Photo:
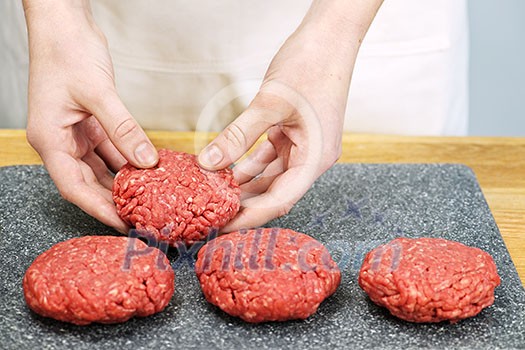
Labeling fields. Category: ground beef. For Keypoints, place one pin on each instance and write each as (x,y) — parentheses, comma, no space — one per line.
(429,279)
(176,201)
(267,274)
(89,279)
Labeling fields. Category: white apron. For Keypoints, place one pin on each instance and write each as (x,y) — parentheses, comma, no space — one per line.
(176,58)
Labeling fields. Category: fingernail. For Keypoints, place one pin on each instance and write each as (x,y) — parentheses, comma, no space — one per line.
(211,156)
(146,155)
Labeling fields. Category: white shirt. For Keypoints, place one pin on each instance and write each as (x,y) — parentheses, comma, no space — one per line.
(177,58)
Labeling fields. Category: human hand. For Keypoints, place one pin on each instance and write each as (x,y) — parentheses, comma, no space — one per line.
(76,121)
(301,106)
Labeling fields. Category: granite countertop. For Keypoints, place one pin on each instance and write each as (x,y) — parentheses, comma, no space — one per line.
(351,209)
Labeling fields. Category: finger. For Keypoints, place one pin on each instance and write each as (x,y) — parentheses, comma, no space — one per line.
(91,181)
(282,194)
(255,163)
(111,156)
(123,131)
(99,170)
(102,145)
(241,134)
(70,180)
(261,183)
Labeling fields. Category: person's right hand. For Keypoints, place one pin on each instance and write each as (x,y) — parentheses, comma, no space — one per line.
(76,120)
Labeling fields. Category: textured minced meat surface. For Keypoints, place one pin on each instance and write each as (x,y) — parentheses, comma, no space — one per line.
(176,201)
(429,279)
(85,280)
(267,274)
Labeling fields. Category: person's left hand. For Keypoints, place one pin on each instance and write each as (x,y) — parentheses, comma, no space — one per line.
(301,106)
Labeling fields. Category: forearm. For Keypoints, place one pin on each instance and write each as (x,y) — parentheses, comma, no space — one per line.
(340,24)
(50,6)
(56,18)
(58,29)
(325,45)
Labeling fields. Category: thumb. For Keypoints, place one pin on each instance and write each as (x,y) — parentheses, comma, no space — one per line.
(235,140)
(124,131)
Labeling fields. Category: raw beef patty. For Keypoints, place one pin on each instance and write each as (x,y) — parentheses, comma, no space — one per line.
(267,274)
(101,279)
(429,279)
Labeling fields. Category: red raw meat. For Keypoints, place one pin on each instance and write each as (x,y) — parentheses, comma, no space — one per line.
(85,280)
(429,279)
(176,201)
(267,274)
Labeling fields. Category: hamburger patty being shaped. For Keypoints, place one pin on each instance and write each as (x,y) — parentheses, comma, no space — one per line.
(176,201)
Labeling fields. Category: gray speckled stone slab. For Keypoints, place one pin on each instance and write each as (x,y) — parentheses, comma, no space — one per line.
(351,209)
